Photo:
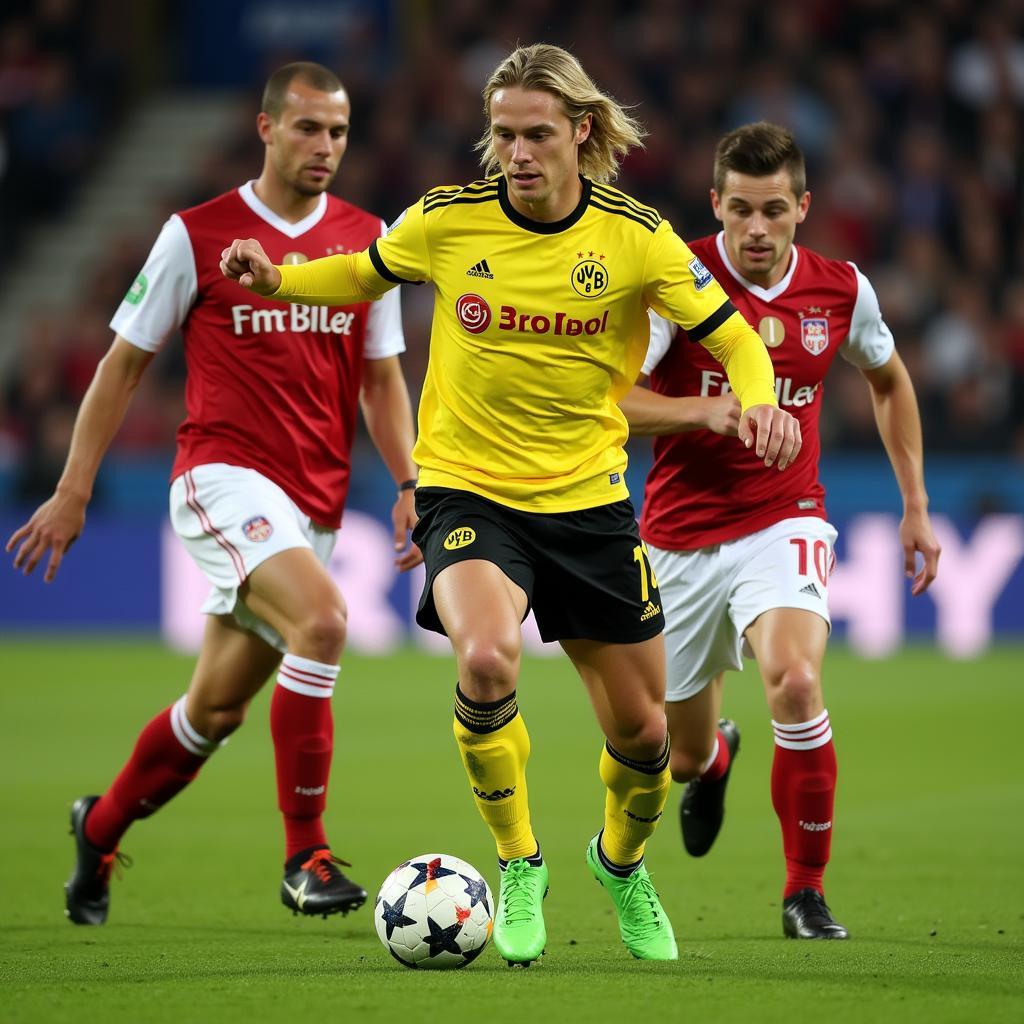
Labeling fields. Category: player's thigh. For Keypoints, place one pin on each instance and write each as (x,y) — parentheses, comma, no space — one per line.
(461,590)
(626,686)
(692,726)
(478,578)
(779,600)
(232,666)
(701,640)
(292,590)
(244,555)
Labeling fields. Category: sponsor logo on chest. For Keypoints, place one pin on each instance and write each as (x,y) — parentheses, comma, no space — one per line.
(714,382)
(294,318)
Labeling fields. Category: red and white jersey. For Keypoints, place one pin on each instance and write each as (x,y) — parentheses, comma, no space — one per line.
(271,386)
(704,488)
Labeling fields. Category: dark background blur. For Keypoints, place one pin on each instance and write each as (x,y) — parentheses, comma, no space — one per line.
(909,115)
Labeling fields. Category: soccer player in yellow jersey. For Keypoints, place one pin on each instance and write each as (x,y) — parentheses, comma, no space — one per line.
(542,277)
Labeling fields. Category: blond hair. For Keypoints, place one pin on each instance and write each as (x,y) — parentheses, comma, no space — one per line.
(613,132)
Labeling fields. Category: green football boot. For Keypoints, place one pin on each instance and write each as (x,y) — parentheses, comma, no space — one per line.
(519,934)
(643,924)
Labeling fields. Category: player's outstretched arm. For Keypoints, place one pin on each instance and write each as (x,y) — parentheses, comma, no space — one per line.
(245,261)
(384,398)
(650,414)
(58,522)
(899,425)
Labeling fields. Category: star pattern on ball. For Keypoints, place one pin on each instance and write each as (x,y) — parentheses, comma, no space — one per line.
(476,890)
(428,871)
(393,915)
(442,940)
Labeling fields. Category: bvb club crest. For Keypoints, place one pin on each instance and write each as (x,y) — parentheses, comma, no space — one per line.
(589,278)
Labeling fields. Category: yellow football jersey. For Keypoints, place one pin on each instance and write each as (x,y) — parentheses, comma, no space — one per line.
(538,330)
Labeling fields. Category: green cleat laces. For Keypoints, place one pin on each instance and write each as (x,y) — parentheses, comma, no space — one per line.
(519,933)
(643,924)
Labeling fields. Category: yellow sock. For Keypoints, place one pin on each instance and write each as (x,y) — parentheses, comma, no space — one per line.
(637,791)
(495,747)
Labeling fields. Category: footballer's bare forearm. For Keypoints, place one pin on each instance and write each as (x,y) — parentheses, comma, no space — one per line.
(387,410)
(899,426)
(650,414)
(101,414)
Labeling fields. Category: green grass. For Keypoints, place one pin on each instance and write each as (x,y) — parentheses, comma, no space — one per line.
(927,872)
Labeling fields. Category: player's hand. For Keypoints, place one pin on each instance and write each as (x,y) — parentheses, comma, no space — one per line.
(723,414)
(245,261)
(53,528)
(916,536)
(404,518)
(773,433)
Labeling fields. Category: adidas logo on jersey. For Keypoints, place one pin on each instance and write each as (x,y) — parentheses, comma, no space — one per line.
(810,589)
(650,611)
(480,270)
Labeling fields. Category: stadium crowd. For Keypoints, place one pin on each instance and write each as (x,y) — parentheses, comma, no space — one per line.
(910,114)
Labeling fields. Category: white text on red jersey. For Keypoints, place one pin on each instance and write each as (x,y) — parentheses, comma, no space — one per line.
(714,382)
(294,318)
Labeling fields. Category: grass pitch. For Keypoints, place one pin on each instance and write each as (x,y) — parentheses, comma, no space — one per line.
(927,870)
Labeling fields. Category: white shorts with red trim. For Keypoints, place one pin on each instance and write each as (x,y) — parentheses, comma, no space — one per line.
(231,520)
(711,595)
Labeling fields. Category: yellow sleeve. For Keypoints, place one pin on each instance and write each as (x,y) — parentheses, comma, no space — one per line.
(739,348)
(399,257)
(332,281)
(681,289)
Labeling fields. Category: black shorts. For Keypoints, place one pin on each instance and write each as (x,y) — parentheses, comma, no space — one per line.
(585,574)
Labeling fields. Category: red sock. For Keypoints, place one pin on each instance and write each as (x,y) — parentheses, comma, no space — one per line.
(303,730)
(167,757)
(718,765)
(803,794)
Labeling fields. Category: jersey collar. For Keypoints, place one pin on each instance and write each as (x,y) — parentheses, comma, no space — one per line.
(765,294)
(264,212)
(540,227)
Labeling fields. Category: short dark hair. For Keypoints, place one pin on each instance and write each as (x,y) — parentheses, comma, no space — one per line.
(314,75)
(760,149)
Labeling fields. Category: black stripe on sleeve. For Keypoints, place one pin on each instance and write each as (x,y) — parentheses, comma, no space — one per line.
(643,222)
(381,268)
(713,322)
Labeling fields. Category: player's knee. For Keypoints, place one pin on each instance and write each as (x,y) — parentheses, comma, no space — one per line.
(321,634)
(642,738)
(488,669)
(219,723)
(797,690)
(687,763)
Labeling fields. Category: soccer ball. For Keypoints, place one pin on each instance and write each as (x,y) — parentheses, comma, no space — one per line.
(434,912)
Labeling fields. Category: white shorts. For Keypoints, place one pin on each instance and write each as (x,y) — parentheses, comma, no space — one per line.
(711,595)
(231,520)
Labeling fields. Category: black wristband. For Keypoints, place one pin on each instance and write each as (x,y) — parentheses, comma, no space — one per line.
(407,485)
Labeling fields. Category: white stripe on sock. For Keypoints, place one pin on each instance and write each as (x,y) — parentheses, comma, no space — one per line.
(186,735)
(310,678)
(803,735)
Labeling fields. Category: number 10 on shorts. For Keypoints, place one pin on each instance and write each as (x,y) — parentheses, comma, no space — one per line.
(819,553)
